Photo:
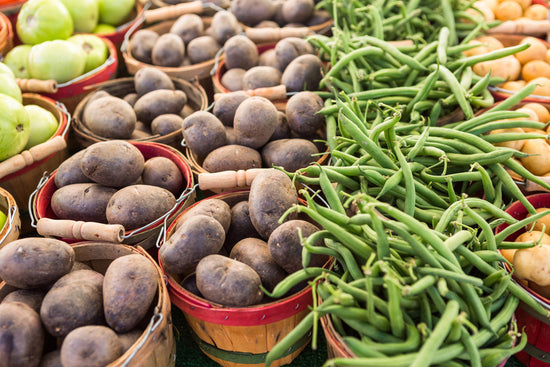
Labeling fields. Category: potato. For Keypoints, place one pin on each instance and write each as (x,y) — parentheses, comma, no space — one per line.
(230,135)
(114,163)
(224,26)
(286,249)
(74,300)
(267,24)
(269,58)
(86,202)
(168,51)
(110,117)
(149,78)
(189,283)
(291,154)
(228,282)
(255,121)
(282,130)
(21,335)
(241,226)
(252,12)
(137,205)
(203,132)
(232,79)
(195,238)
(212,207)
(255,253)
(290,48)
(128,339)
(303,73)
(232,157)
(225,106)
(163,172)
(261,77)
(203,48)
(319,17)
(34,262)
(188,27)
(297,11)
(240,52)
(90,346)
(530,264)
(129,287)
(69,171)
(141,45)
(51,359)
(159,102)
(131,98)
(302,113)
(80,266)
(166,124)
(271,194)
(30,297)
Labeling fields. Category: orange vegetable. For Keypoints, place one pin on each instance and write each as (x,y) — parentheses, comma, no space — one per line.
(514,144)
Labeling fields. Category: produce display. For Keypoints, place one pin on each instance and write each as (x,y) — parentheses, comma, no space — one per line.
(385,178)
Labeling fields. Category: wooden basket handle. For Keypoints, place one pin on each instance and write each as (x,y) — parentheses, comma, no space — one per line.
(34,154)
(228,179)
(275,93)
(79,230)
(37,85)
(172,11)
(272,35)
(522,26)
(530,186)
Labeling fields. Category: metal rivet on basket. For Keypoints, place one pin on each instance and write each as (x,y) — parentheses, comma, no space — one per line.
(226,317)
(297,305)
(263,317)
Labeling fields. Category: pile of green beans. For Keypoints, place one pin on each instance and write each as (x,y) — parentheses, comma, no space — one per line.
(405,294)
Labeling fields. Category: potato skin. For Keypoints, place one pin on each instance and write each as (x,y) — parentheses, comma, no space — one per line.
(261,77)
(195,238)
(302,113)
(188,27)
(255,253)
(241,226)
(128,339)
(149,78)
(110,117)
(90,346)
(291,154)
(104,161)
(69,171)
(34,262)
(224,26)
(163,172)
(297,11)
(255,121)
(159,102)
(30,297)
(228,282)
(129,287)
(203,132)
(282,130)
(240,52)
(271,194)
(232,157)
(141,45)
(74,300)
(252,12)
(82,201)
(51,359)
(166,124)
(202,49)
(290,48)
(212,207)
(303,73)
(137,205)
(232,79)
(226,105)
(169,50)
(21,335)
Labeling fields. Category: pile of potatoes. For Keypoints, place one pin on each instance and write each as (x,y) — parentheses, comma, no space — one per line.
(153,107)
(111,182)
(189,40)
(244,132)
(278,13)
(504,10)
(60,311)
(538,160)
(292,62)
(224,253)
(530,66)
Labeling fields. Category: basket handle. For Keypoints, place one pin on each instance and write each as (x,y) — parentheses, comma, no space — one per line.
(79,230)
(34,154)
(172,11)
(522,26)
(531,186)
(37,85)
(275,93)
(272,35)
(228,179)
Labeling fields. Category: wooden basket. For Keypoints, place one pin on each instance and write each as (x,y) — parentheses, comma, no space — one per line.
(156,346)
(525,26)
(240,336)
(20,174)
(196,100)
(6,35)
(537,327)
(11,229)
(47,224)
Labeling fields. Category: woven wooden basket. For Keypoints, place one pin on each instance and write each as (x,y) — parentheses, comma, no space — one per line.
(196,100)
(6,35)
(156,346)
(12,228)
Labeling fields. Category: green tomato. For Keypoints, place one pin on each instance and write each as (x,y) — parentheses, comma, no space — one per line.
(114,12)
(85,14)
(3,219)
(18,61)
(43,125)
(45,61)
(14,127)
(104,29)
(94,47)
(5,69)
(9,87)
(43,20)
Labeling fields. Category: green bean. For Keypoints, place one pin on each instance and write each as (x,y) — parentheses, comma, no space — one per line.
(486,117)
(369,51)
(517,225)
(396,315)
(360,349)
(471,348)
(412,342)
(503,137)
(491,55)
(458,90)
(450,275)
(514,99)
(291,280)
